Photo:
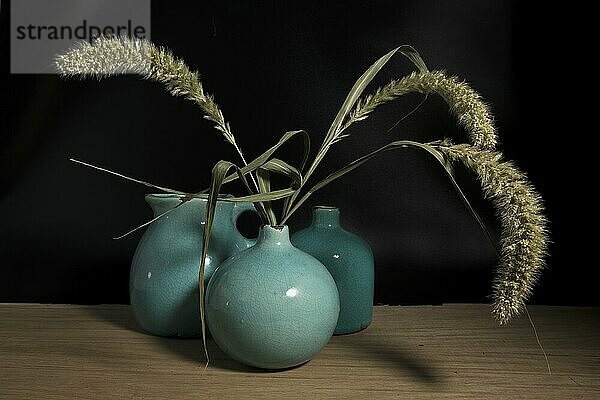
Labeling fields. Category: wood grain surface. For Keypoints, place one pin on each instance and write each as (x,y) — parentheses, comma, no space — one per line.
(425,352)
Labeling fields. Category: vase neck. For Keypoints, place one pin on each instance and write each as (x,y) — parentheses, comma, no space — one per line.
(274,236)
(163,202)
(326,217)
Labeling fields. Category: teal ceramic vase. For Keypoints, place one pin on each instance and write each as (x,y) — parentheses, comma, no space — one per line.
(272,306)
(349,259)
(163,284)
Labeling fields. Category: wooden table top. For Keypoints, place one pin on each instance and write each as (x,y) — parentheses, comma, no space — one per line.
(423,352)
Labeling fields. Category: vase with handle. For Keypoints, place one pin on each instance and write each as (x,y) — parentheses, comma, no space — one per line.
(163,285)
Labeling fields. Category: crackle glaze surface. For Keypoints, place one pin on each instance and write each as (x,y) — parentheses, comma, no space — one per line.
(349,259)
(272,306)
(163,284)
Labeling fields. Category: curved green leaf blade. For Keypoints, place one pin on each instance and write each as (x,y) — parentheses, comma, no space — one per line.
(219,172)
(414,56)
(283,168)
(262,197)
(354,94)
(259,206)
(264,157)
(264,186)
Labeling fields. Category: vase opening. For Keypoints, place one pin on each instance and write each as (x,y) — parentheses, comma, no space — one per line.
(332,208)
(169,196)
(326,216)
(278,235)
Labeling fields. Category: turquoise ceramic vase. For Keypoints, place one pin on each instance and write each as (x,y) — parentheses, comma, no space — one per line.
(272,306)
(163,285)
(349,259)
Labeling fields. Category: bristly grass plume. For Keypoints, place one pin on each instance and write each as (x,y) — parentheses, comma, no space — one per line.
(108,56)
(464,102)
(524,236)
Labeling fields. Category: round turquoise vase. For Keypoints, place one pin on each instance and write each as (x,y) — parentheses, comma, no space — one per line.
(349,259)
(163,284)
(272,306)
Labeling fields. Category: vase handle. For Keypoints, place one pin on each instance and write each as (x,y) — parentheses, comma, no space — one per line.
(239,209)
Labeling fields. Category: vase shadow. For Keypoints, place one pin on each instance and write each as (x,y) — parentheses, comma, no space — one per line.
(190,349)
(369,347)
(187,349)
(118,315)
(360,344)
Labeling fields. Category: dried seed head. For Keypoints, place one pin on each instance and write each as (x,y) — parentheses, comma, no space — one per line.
(465,103)
(524,236)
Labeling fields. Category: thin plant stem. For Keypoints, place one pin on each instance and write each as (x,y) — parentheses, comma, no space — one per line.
(163,189)
(245,164)
(109,56)
(151,221)
(537,338)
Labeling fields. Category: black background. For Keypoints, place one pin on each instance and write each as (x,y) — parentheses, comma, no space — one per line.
(278,66)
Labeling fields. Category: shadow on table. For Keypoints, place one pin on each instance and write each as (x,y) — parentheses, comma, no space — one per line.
(391,355)
(362,344)
(188,349)
(119,316)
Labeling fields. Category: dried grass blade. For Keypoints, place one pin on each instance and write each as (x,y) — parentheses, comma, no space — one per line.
(264,184)
(219,172)
(354,94)
(183,201)
(413,55)
(392,146)
(262,197)
(283,168)
(264,157)
(161,188)
(259,206)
